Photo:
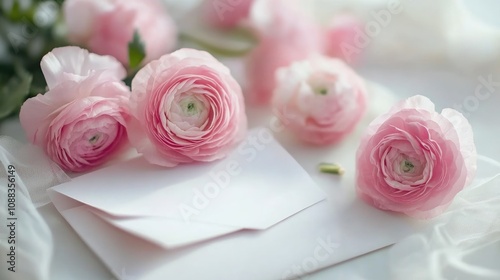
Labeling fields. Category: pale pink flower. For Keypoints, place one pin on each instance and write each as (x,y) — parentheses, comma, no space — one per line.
(285,35)
(261,67)
(107,26)
(320,100)
(80,122)
(186,107)
(414,160)
(225,13)
(340,39)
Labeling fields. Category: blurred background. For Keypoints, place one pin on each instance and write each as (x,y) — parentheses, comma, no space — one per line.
(448,50)
(445,50)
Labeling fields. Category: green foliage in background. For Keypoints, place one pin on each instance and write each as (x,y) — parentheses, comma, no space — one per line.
(28,30)
(31,28)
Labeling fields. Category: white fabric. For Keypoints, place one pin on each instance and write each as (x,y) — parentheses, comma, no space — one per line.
(450,247)
(34,173)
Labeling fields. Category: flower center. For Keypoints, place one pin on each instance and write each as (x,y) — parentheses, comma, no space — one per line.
(191,107)
(94,139)
(321,91)
(407,166)
(188,111)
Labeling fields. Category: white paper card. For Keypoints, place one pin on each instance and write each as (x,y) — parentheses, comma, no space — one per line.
(180,206)
(135,245)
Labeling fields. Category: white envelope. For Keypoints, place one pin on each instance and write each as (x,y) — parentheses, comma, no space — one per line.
(191,203)
(130,216)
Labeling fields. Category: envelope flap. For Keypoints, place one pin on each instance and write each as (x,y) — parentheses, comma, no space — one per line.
(168,233)
(257,186)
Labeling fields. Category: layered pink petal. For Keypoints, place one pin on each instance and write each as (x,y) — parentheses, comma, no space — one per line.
(80,121)
(85,134)
(186,107)
(320,100)
(414,160)
(74,63)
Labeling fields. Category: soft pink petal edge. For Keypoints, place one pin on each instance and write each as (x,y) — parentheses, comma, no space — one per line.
(414,102)
(138,138)
(146,79)
(77,61)
(466,138)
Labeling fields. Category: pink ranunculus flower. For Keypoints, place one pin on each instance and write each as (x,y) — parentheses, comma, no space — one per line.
(340,39)
(107,26)
(320,100)
(285,35)
(80,122)
(226,13)
(186,107)
(414,160)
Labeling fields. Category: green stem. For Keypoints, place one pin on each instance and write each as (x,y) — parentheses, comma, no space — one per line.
(331,168)
(213,48)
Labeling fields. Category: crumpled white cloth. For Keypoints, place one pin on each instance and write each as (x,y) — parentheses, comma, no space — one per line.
(34,174)
(456,246)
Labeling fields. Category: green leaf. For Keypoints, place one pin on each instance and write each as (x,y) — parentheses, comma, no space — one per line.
(136,51)
(13,91)
(18,14)
(233,43)
(15,13)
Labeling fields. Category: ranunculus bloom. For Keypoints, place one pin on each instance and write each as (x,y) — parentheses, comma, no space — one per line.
(107,26)
(320,100)
(80,122)
(341,38)
(286,35)
(226,13)
(414,160)
(186,107)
